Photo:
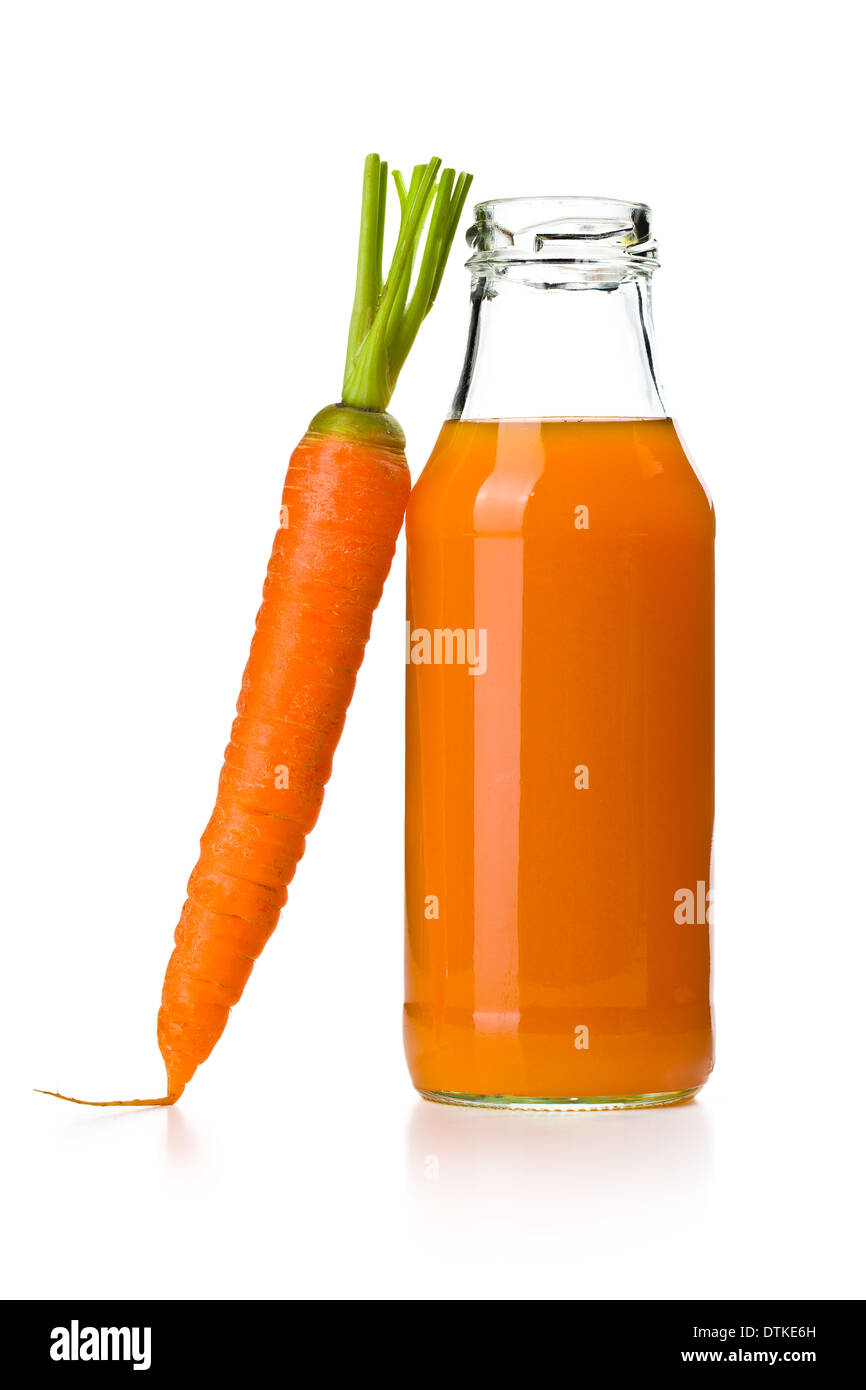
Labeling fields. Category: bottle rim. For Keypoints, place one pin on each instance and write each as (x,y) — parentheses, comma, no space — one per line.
(566,230)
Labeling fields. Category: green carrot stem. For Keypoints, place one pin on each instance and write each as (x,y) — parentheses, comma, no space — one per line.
(421,301)
(458,198)
(398,309)
(385,318)
(368,282)
(380,220)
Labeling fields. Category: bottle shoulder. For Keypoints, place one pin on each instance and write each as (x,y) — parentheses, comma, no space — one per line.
(519,477)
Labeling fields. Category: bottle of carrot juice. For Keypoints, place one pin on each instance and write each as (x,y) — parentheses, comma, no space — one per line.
(559,777)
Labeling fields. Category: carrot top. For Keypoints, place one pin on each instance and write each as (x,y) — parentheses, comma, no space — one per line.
(386,315)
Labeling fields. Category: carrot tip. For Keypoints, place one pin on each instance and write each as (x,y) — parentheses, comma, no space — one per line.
(74,1100)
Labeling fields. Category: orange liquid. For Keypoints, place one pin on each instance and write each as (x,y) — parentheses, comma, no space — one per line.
(560,764)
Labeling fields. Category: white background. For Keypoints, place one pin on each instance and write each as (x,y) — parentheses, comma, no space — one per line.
(181,187)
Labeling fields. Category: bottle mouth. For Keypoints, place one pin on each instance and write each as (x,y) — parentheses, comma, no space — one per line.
(590,235)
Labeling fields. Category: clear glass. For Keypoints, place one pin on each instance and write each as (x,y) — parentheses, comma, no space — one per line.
(559,775)
(585,350)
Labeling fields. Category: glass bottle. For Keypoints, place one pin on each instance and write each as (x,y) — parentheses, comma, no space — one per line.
(559,775)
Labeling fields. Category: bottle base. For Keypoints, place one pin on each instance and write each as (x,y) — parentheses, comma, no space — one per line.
(505,1102)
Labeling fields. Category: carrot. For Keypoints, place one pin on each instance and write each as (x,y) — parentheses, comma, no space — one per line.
(342,508)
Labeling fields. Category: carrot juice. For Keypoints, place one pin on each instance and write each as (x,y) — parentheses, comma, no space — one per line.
(559,690)
(559,807)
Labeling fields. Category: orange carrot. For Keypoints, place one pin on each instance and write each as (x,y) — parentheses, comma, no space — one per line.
(342,508)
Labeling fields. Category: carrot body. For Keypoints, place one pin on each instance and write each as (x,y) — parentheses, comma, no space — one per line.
(343,502)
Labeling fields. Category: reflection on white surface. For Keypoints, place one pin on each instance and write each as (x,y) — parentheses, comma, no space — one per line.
(181,1147)
(395,1197)
(611,1159)
(585,1205)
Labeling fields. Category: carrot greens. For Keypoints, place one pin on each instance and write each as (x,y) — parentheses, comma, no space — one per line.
(386,316)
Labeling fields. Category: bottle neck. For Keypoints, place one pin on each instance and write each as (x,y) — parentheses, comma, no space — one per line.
(569,350)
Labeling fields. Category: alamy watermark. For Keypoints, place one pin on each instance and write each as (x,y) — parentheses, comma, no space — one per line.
(447,646)
(694,908)
(76,1343)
